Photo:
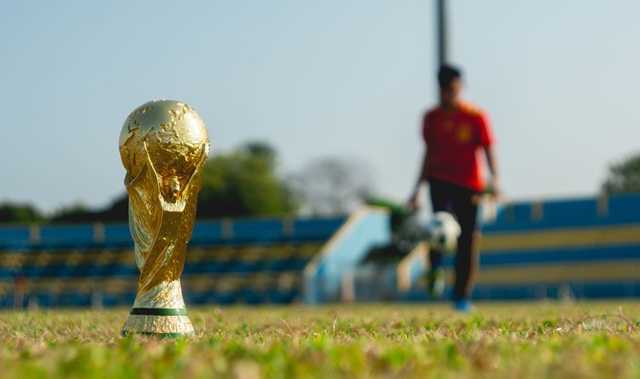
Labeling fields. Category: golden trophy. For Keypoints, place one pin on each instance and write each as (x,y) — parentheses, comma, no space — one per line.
(163,146)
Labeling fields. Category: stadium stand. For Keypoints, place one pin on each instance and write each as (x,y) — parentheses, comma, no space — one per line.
(241,261)
(575,248)
(582,248)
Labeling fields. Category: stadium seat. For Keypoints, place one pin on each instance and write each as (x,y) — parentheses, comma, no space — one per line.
(251,263)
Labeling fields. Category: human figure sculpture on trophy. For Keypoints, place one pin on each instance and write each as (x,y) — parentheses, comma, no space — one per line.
(163,146)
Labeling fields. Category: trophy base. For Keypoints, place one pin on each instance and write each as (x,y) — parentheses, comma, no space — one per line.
(159,312)
(159,322)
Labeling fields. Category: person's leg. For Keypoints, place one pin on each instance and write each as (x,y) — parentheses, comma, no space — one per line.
(466,261)
(440,201)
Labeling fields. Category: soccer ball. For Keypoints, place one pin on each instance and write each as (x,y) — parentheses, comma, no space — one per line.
(443,232)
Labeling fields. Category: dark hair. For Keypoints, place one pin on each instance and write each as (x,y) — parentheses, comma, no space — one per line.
(447,74)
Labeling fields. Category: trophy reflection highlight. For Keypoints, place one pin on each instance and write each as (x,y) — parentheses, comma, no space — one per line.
(163,146)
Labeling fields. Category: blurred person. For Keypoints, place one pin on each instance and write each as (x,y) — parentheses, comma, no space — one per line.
(19,289)
(455,134)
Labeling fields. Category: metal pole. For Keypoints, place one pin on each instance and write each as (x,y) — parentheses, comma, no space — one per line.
(441,24)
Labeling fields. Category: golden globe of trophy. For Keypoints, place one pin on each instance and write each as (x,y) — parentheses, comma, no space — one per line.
(163,146)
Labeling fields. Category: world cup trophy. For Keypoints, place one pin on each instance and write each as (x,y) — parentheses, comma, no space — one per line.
(163,146)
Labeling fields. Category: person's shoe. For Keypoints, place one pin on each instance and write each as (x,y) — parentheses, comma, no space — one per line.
(435,283)
(463,305)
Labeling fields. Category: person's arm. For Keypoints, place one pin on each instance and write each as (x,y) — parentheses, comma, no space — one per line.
(414,200)
(487,143)
(494,183)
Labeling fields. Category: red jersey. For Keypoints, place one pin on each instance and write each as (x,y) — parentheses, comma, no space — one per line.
(453,140)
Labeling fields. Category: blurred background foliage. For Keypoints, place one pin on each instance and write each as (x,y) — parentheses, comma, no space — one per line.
(624,176)
(244,182)
(247,182)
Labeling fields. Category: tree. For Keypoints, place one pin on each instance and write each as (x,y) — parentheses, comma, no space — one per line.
(261,151)
(623,176)
(118,211)
(19,214)
(74,214)
(332,185)
(244,183)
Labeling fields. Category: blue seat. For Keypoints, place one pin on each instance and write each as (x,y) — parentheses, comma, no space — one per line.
(251,296)
(267,230)
(14,237)
(117,235)
(44,299)
(206,233)
(6,273)
(110,300)
(624,208)
(226,297)
(67,236)
(73,299)
(316,229)
(282,296)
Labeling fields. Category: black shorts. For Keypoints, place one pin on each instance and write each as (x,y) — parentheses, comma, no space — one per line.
(462,202)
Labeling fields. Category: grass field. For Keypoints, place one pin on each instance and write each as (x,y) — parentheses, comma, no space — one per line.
(529,340)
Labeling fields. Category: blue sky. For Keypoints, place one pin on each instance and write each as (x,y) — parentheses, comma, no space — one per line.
(559,79)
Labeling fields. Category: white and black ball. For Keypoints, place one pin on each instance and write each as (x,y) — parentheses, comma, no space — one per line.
(443,232)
